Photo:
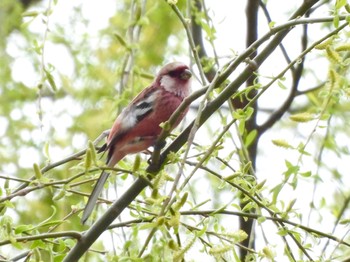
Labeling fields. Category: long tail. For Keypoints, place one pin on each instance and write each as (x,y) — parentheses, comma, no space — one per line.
(94,196)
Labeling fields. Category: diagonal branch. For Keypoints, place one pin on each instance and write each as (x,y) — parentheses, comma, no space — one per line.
(120,204)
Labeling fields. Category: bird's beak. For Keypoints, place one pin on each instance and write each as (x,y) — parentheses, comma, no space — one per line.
(186,74)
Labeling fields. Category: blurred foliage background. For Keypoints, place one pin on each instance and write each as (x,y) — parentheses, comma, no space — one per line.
(68,69)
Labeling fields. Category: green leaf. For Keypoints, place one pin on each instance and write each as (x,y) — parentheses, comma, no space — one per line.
(61,193)
(261,219)
(306,174)
(241,127)
(202,231)
(47,151)
(275,192)
(345,221)
(121,41)
(282,143)
(281,85)
(88,159)
(291,169)
(137,163)
(282,232)
(51,80)
(340,3)
(92,151)
(148,226)
(336,21)
(250,138)
(302,117)
(37,171)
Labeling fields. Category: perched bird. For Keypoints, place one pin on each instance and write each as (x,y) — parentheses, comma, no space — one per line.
(137,126)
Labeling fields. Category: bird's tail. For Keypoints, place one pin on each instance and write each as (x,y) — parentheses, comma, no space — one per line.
(94,196)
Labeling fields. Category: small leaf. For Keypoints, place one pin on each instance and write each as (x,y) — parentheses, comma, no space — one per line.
(343,47)
(239,114)
(233,176)
(30,14)
(247,167)
(51,80)
(47,151)
(148,226)
(324,44)
(282,143)
(336,21)
(275,192)
(302,117)
(59,195)
(37,171)
(121,40)
(333,56)
(282,232)
(291,169)
(340,3)
(88,159)
(23,228)
(345,221)
(241,127)
(202,231)
(260,185)
(250,138)
(268,253)
(281,85)
(347,8)
(261,219)
(306,174)
(182,201)
(137,163)
(93,151)
(290,205)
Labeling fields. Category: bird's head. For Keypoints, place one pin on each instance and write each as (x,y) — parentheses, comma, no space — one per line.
(176,78)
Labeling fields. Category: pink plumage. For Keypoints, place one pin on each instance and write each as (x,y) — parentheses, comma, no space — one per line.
(137,127)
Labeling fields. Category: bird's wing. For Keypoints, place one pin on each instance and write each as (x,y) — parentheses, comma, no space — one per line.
(134,113)
(137,110)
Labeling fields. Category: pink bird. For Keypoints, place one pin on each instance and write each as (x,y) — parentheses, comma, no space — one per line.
(137,127)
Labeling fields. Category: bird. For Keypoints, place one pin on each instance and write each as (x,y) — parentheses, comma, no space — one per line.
(137,127)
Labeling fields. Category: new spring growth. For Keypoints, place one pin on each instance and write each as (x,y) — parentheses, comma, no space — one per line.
(93,151)
(137,163)
(180,203)
(37,171)
(87,159)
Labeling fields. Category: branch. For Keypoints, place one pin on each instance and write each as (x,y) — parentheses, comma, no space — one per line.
(257,216)
(102,224)
(269,20)
(75,156)
(70,234)
(278,113)
(119,205)
(249,154)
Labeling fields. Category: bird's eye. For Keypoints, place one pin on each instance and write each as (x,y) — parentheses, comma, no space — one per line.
(173,73)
